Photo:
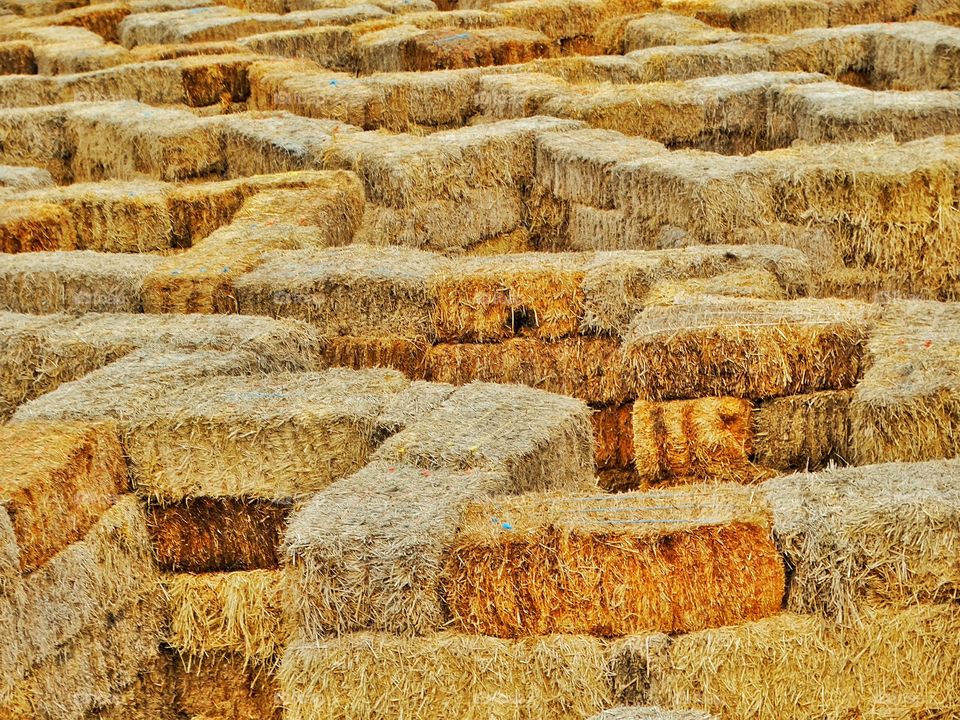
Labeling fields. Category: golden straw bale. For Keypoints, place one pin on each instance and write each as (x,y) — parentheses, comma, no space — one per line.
(497,297)
(57,480)
(199,24)
(238,613)
(82,584)
(703,440)
(447,48)
(887,534)
(248,436)
(148,697)
(838,52)
(205,535)
(354,290)
(907,407)
(91,671)
(385,50)
(70,58)
(748,348)
(532,565)
(225,688)
(803,432)
(854,12)
(587,368)
(367,552)
(664,28)
(590,228)
(617,284)
(916,56)
(24,178)
(755,16)
(101,18)
(680,62)
(32,225)
(515,242)
(328,46)
(893,664)
(754,283)
(17,58)
(386,351)
(613,433)
(516,94)
(533,436)
(374,675)
(407,406)
(215,80)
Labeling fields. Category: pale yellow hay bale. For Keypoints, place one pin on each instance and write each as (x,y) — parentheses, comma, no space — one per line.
(837,52)
(917,56)
(757,16)
(330,47)
(683,62)
(516,95)
(755,283)
(24,178)
(664,28)
(37,137)
(66,58)
(651,713)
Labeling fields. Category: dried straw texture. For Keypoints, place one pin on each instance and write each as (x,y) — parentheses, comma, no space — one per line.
(448,48)
(149,697)
(73,282)
(354,290)
(328,46)
(907,407)
(671,64)
(93,669)
(651,713)
(887,534)
(663,28)
(236,613)
(534,437)
(367,552)
(613,565)
(24,178)
(17,58)
(205,535)
(916,56)
(81,585)
(803,432)
(756,283)
(406,407)
(56,480)
(29,226)
(754,16)
(378,675)
(895,664)
(703,440)
(128,139)
(387,351)
(494,298)
(273,437)
(613,434)
(37,137)
(748,348)
(225,689)
(591,369)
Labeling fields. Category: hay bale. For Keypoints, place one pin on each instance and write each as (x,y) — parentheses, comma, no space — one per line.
(17,58)
(91,671)
(907,407)
(854,12)
(754,16)
(236,613)
(760,284)
(371,675)
(330,47)
(672,63)
(448,48)
(387,351)
(70,58)
(587,368)
(199,24)
(540,560)
(916,56)
(171,445)
(748,348)
(24,178)
(883,533)
(517,241)
(73,282)
(613,433)
(536,438)
(832,112)
(225,687)
(838,52)
(803,432)
(590,229)
(480,299)
(86,581)
(385,50)
(406,407)
(368,551)
(617,284)
(354,290)
(664,28)
(516,94)
(892,665)
(33,225)
(202,279)
(208,535)
(569,20)
(100,18)
(703,440)
(149,697)
(57,480)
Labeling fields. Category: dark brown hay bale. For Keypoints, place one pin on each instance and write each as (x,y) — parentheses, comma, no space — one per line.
(613,433)
(225,688)
(202,535)
(803,432)
(675,561)
(16,58)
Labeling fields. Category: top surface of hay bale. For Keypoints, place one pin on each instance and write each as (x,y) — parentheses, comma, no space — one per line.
(538,438)
(884,533)
(24,178)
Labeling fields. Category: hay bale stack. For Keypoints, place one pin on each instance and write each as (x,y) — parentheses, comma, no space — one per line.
(367,552)
(126,139)
(371,675)
(916,56)
(886,534)
(208,535)
(37,137)
(672,63)
(587,368)
(907,407)
(754,16)
(224,687)
(110,567)
(703,440)
(233,613)
(330,47)
(74,282)
(613,431)
(534,437)
(664,28)
(803,432)
(893,664)
(831,112)
(34,225)
(354,290)
(201,280)
(172,444)
(58,479)
(534,569)
(24,178)
(748,348)
(502,96)
(479,299)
